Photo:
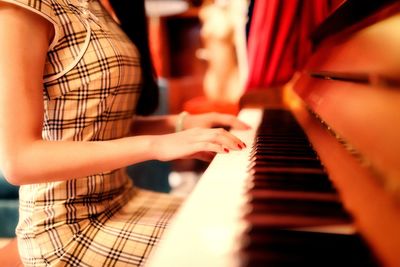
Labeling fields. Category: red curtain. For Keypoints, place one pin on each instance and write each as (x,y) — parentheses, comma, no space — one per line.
(278,43)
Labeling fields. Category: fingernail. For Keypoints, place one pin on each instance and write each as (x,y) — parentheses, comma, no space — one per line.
(244,145)
(239,146)
(226,150)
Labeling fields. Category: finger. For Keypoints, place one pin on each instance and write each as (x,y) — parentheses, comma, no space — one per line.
(223,137)
(231,121)
(208,146)
(204,156)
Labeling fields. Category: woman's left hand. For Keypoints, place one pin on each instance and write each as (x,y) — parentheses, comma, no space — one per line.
(214,120)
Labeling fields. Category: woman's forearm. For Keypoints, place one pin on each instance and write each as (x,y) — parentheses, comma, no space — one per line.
(154,125)
(46,161)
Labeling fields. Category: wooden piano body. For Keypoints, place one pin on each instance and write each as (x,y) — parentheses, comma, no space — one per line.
(347,100)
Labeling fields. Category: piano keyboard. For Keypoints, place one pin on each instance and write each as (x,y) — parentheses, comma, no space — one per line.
(288,191)
(276,209)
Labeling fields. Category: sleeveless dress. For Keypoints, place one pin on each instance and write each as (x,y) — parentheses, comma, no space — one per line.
(91,85)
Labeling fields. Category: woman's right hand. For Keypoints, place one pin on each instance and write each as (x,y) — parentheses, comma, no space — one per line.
(197,143)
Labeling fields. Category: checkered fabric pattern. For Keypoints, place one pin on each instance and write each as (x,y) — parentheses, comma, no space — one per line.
(99,220)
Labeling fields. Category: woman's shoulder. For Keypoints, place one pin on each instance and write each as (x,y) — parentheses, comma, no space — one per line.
(60,13)
(41,7)
(44,8)
(49,9)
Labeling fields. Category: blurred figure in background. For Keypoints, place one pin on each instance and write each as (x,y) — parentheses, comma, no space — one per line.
(221,78)
(223,36)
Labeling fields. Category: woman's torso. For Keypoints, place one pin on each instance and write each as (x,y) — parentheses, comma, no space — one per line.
(94,101)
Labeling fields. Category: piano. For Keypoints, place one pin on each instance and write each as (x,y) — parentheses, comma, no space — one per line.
(319,182)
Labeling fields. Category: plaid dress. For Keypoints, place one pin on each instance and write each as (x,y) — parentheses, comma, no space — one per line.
(91,84)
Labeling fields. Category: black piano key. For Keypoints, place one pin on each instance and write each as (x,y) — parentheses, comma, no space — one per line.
(276,140)
(280,139)
(276,162)
(315,164)
(283,247)
(283,134)
(281,157)
(295,170)
(289,140)
(291,182)
(290,221)
(266,148)
(290,175)
(287,147)
(302,207)
(278,152)
(280,147)
(288,188)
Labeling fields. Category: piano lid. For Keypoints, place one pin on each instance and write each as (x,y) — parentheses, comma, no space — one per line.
(349,13)
(352,84)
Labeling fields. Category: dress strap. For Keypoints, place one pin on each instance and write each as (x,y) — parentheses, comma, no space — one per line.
(85,15)
(77,59)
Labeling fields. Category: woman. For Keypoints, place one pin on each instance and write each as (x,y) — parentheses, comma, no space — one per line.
(70,84)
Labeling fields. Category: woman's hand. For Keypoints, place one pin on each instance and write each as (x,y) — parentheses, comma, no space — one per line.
(212,120)
(196,143)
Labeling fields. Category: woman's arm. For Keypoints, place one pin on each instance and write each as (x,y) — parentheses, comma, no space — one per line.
(167,123)
(25,157)
(162,124)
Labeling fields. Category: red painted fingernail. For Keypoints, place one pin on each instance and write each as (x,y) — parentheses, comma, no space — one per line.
(226,150)
(239,146)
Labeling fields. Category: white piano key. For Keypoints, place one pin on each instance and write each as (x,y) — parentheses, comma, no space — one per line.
(205,229)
